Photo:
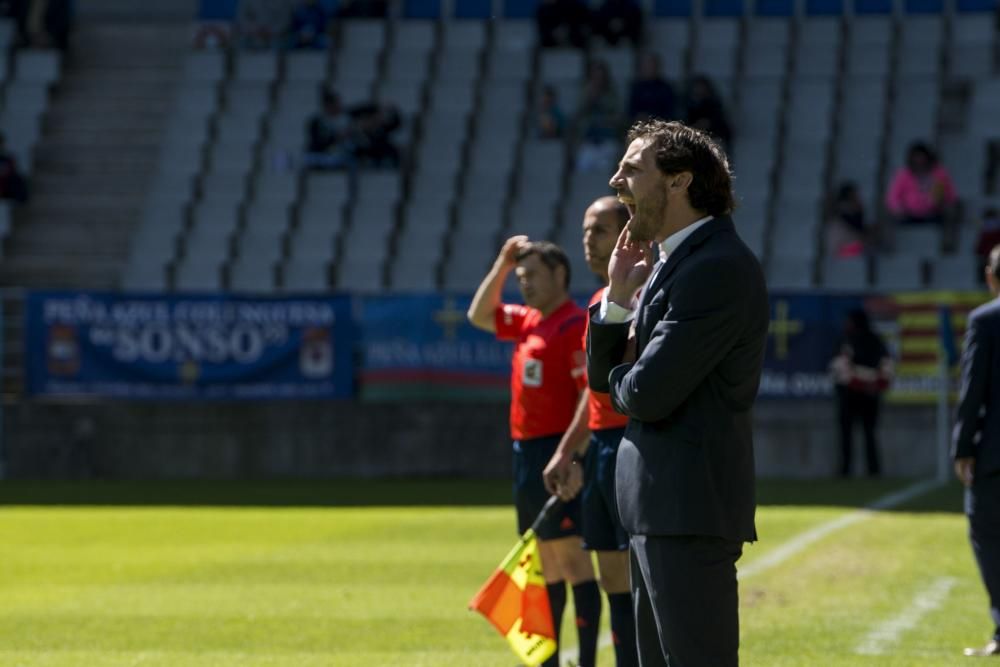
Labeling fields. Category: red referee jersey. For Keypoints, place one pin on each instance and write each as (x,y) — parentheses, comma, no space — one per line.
(600,413)
(548,370)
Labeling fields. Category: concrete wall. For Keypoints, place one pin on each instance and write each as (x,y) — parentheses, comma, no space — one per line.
(330,439)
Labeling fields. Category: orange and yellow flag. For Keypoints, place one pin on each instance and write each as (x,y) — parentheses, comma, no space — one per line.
(515,601)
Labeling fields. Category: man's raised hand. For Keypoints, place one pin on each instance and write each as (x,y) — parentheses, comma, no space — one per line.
(511,248)
(630,266)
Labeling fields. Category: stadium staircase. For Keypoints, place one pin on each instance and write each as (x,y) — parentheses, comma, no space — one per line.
(97,150)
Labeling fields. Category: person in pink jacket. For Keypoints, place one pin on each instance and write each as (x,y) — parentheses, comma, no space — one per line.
(922,191)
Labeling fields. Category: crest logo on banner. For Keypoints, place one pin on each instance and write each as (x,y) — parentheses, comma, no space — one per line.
(63,351)
(316,355)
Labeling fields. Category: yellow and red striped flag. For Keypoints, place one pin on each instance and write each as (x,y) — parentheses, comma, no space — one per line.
(516,602)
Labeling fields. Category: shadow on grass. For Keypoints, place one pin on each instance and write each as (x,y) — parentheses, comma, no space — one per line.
(417,493)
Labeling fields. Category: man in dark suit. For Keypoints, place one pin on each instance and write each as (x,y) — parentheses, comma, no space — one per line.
(686,375)
(976,443)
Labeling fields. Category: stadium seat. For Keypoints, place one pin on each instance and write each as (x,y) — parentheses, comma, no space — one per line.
(41,66)
(846,274)
(8,32)
(671,39)
(817,49)
(786,273)
(785,8)
(421,9)
(256,67)
(923,6)
(716,8)
(824,7)
(208,67)
(673,8)
(960,272)
(519,9)
(473,9)
(305,277)
(309,67)
(796,231)
(899,273)
(862,7)
(918,241)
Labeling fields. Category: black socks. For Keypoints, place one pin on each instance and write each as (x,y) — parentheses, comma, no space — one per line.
(623,629)
(587,600)
(557,602)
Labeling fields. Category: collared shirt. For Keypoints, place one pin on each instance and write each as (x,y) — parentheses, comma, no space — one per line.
(548,368)
(612,313)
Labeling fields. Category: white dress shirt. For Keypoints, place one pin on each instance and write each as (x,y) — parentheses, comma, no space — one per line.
(611,312)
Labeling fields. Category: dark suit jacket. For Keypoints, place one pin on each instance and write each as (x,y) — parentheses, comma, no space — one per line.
(685,465)
(977,423)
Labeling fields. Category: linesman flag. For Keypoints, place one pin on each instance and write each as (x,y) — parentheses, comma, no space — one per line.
(515,600)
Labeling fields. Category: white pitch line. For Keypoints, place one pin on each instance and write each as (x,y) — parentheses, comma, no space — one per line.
(887,634)
(798,543)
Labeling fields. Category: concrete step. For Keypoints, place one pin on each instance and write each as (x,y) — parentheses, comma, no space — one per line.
(84,208)
(121,88)
(123,153)
(109,107)
(76,135)
(51,273)
(86,79)
(70,252)
(96,184)
(59,161)
(104,57)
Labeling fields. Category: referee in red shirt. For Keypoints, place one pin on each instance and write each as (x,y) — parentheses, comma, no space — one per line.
(594,436)
(548,376)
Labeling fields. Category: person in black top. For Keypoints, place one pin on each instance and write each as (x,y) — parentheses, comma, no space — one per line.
(705,112)
(651,95)
(862,371)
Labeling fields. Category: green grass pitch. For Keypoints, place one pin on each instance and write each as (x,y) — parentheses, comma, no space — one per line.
(359,574)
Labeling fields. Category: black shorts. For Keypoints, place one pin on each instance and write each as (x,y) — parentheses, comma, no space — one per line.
(602,529)
(530,459)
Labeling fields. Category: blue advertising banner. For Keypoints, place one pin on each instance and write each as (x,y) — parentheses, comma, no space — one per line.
(804,332)
(422,346)
(138,346)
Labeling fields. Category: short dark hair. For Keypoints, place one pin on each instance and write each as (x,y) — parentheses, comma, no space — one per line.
(550,255)
(922,148)
(994,263)
(614,206)
(621,213)
(678,148)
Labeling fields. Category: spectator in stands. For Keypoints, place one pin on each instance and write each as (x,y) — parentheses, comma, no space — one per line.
(862,370)
(551,119)
(42,24)
(13,186)
(373,140)
(330,140)
(563,23)
(598,119)
(618,20)
(309,26)
(364,9)
(704,110)
(260,22)
(846,227)
(921,192)
(651,95)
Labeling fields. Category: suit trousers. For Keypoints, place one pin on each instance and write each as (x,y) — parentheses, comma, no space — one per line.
(686,601)
(982,505)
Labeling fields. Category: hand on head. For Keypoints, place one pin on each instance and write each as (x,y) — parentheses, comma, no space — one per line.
(512,247)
